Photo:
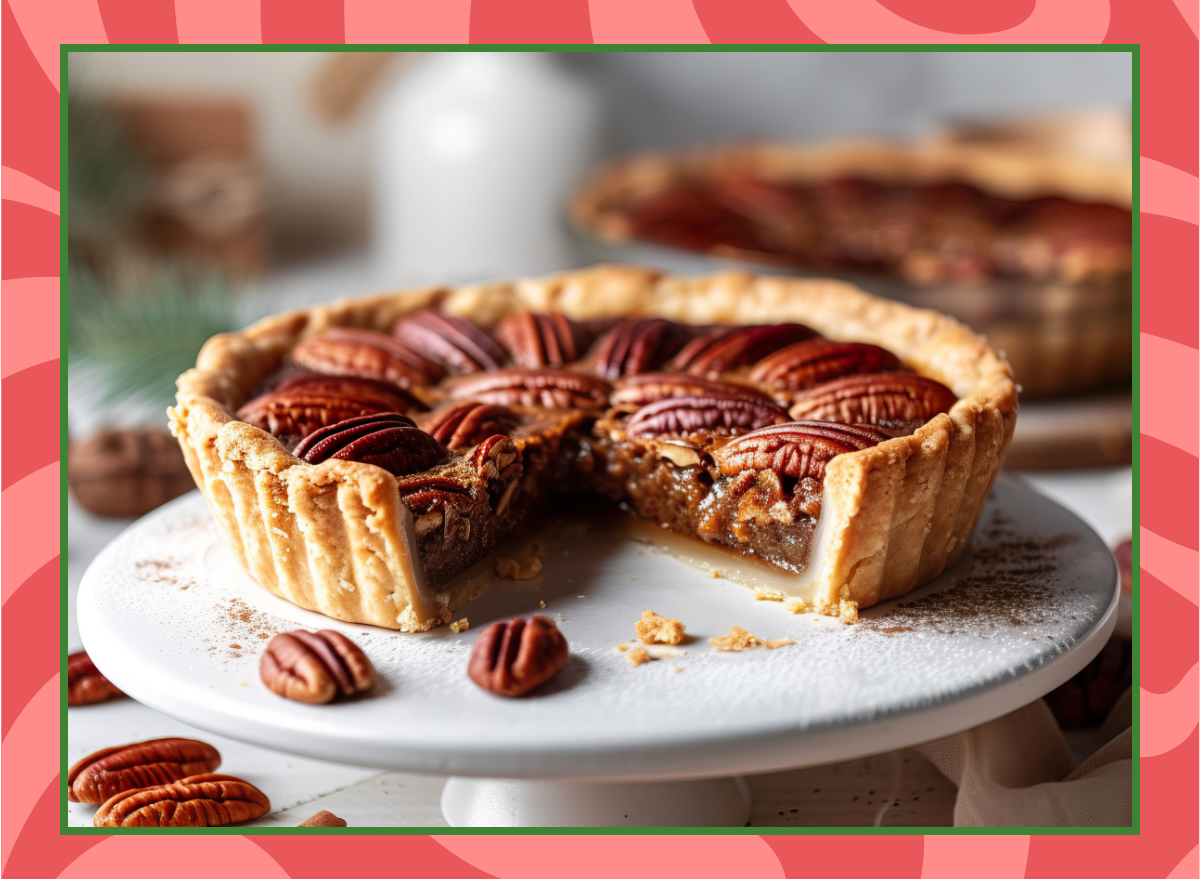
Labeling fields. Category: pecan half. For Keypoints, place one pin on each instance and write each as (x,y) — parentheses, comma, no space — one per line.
(454,343)
(390,441)
(434,501)
(301,405)
(898,402)
(638,390)
(551,388)
(197,801)
(365,354)
(811,362)
(797,449)
(315,666)
(464,424)
(85,684)
(546,339)
(634,346)
(730,347)
(513,658)
(107,773)
(496,458)
(723,416)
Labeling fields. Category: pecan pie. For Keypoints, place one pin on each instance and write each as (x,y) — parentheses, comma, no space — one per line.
(843,442)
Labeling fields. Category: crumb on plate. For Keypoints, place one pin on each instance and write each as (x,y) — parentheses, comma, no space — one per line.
(655,629)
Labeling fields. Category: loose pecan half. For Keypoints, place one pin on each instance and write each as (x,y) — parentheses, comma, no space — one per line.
(551,388)
(649,387)
(107,773)
(365,354)
(85,684)
(730,347)
(453,342)
(512,658)
(315,666)
(634,346)
(464,424)
(546,339)
(301,405)
(723,416)
(898,402)
(813,361)
(797,449)
(390,441)
(197,801)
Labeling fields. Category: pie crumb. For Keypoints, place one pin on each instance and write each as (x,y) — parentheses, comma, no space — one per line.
(678,669)
(622,647)
(653,629)
(738,639)
(714,574)
(778,642)
(541,603)
(460,625)
(638,656)
(762,593)
(511,569)
(795,605)
(848,611)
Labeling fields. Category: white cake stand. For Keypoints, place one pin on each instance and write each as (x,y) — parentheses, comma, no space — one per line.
(172,620)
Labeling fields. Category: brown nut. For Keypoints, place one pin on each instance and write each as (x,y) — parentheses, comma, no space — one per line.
(301,405)
(315,667)
(797,449)
(390,441)
(365,354)
(464,424)
(650,387)
(85,684)
(513,658)
(547,339)
(683,416)
(324,819)
(730,347)
(112,771)
(898,402)
(805,364)
(635,346)
(196,801)
(551,388)
(455,344)
(127,472)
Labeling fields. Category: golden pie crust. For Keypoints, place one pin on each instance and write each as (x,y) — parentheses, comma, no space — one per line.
(336,538)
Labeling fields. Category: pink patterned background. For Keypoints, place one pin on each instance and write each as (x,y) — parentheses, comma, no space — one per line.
(1170,471)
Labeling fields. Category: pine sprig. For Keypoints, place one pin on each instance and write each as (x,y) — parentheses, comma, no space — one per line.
(109,177)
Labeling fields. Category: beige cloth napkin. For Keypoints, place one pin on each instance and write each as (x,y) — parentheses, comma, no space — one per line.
(1016,771)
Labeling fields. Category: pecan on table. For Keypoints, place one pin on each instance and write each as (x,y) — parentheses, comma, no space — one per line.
(512,658)
(550,388)
(197,801)
(898,402)
(389,440)
(635,346)
(366,354)
(464,424)
(454,343)
(725,348)
(721,416)
(805,364)
(112,771)
(649,387)
(85,684)
(315,667)
(797,449)
(301,405)
(546,339)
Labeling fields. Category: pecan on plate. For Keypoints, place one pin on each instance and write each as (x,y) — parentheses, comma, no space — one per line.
(85,684)
(898,402)
(545,339)
(388,440)
(722,416)
(649,387)
(454,343)
(725,348)
(635,346)
(196,801)
(515,657)
(805,364)
(365,354)
(315,666)
(112,771)
(464,424)
(797,449)
(550,388)
(301,405)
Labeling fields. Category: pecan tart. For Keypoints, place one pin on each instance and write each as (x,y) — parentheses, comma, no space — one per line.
(360,456)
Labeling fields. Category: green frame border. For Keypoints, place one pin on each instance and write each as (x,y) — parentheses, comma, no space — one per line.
(1133,49)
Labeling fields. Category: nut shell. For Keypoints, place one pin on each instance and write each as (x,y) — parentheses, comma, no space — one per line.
(315,667)
(515,657)
(205,800)
(106,773)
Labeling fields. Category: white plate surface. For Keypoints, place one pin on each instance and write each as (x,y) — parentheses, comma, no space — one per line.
(169,616)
